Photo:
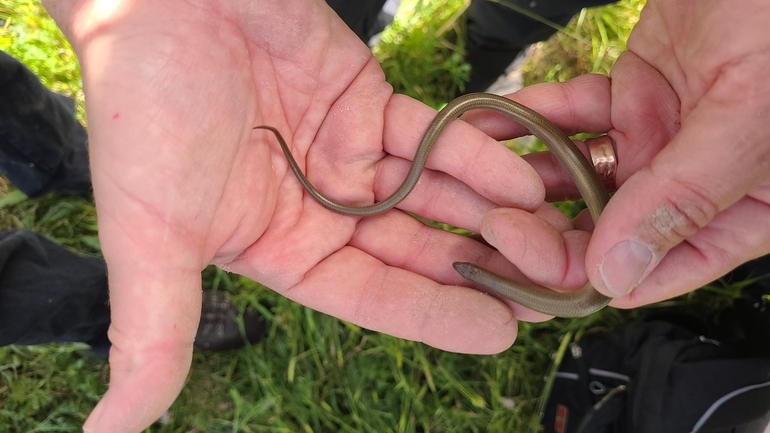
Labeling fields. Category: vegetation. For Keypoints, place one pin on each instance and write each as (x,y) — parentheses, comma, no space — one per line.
(421,52)
(313,373)
(589,44)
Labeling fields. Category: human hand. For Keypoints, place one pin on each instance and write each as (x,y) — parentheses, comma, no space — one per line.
(181,180)
(688,107)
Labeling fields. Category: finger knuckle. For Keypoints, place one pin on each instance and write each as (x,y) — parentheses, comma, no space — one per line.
(686,211)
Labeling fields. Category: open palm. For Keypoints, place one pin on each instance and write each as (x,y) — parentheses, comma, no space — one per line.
(181,180)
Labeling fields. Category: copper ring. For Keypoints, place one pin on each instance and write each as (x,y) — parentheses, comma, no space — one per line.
(604,159)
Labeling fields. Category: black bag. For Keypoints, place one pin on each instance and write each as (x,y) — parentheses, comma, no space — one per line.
(668,376)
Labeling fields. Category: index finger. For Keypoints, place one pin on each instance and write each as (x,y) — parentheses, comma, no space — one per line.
(578,105)
(463,152)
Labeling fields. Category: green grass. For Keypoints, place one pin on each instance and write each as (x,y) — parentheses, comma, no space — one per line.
(29,35)
(314,373)
(591,43)
(421,52)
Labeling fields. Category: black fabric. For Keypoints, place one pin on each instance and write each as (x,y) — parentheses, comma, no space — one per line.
(666,379)
(751,406)
(602,415)
(48,293)
(42,146)
(359,15)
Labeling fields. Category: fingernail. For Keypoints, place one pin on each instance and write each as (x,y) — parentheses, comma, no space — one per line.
(623,266)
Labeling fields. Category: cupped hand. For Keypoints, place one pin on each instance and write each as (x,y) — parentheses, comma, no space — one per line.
(182,180)
(688,107)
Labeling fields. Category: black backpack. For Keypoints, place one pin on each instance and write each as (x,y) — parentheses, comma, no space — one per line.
(668,375)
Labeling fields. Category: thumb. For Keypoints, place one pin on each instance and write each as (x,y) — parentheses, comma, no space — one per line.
(673,210)
(155,305)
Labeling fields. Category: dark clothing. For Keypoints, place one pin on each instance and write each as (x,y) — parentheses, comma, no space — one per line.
(42,146)
(359,15)
(47,293)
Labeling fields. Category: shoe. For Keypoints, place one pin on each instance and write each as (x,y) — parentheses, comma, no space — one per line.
(219,330)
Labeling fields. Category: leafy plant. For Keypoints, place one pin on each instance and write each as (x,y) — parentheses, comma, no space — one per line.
(422,52)
(590,43)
